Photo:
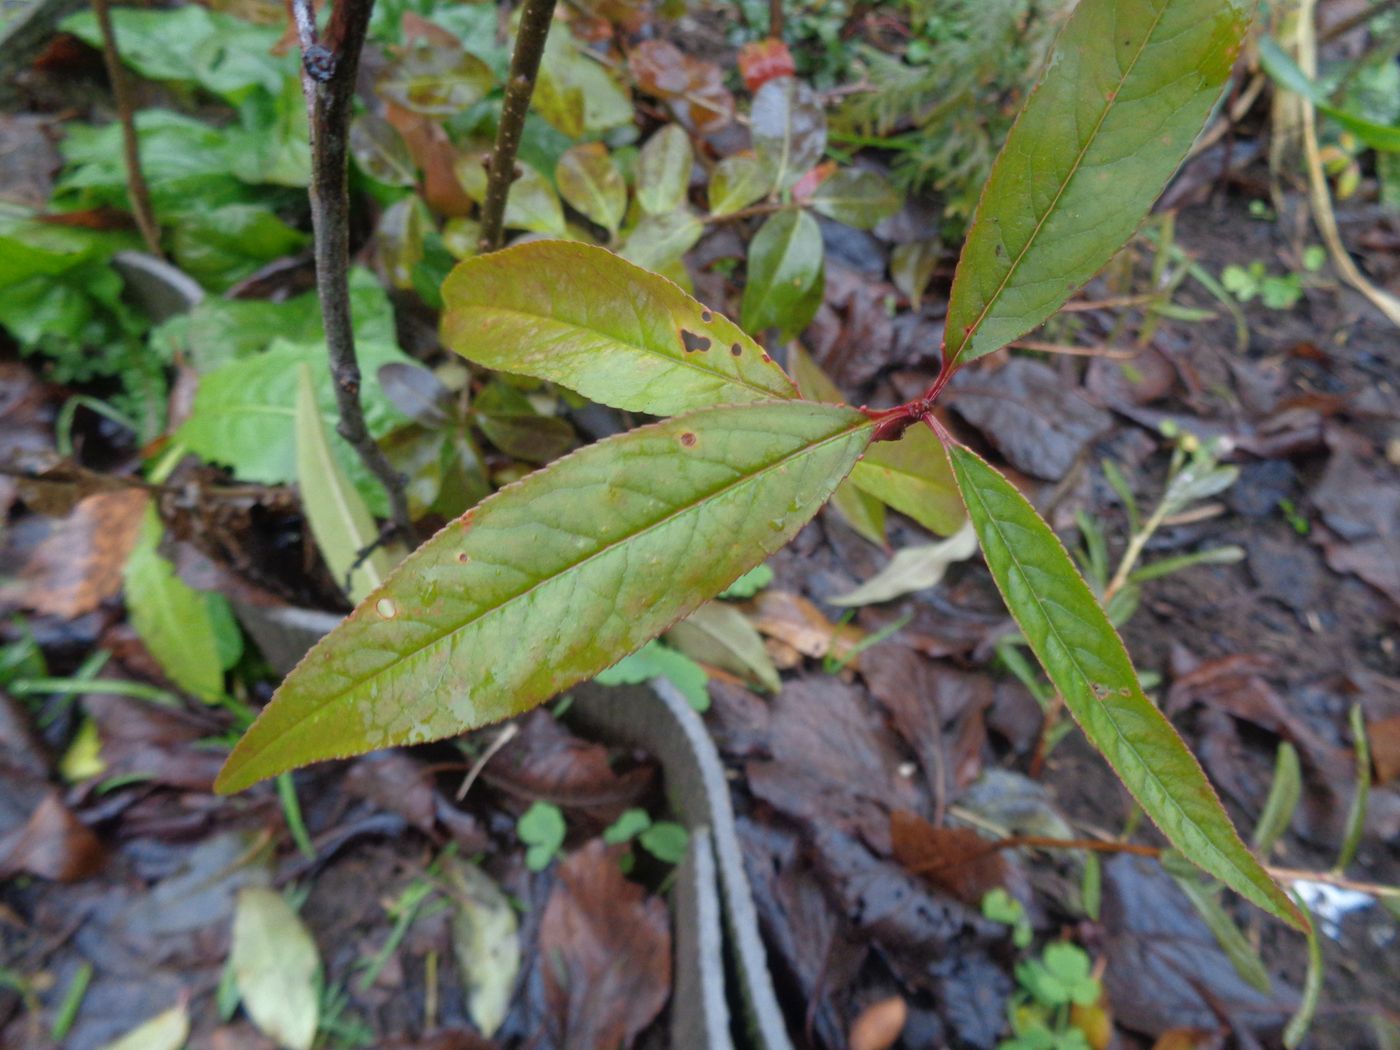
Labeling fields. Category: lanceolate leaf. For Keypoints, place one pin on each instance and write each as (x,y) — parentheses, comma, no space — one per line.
(1126,90)
(339,519)
(553,578)
(911,475)
(785,278)
(580,316)
(1086,661)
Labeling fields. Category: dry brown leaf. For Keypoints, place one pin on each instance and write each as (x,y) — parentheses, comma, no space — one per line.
(53,844)
(798,624)
(879,1024)
(956,860)
(605,954)
(1384,737)
(79,564)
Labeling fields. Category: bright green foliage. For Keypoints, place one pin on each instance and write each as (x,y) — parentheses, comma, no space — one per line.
(1128,87)
(541,828)
(1060,977)
(1287,74)
(580,316)
(785,279)
(172,618)
(911,475)
(655,660)
(1085,659)
(543,584)
(338,517)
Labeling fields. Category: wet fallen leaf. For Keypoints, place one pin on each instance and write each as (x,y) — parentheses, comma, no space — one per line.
(485,942)
(165,1031)
(694,88)
(797,622)
(721,636)
(1037,421)
(879,1024)
(956,860)
(605,954)
(274,963)
(53,844)
(913,569)
(79,564)
(547,762)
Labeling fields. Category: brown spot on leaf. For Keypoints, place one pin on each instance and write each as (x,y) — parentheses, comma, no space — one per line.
(736,350)
(688,439)
(694,343)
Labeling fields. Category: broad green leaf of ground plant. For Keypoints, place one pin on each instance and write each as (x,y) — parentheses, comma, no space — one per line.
(857,197)
(737,182)
(590,181)
(580,316)
(785,278)
(911,475)
(1128,86)
(662,170)
(339,519)
(548,581)
(1088,664)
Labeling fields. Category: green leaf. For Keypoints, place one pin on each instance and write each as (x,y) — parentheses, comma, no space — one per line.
(857,197)
(274,963)
(1232,942)
(1285,72)
(747,585)
(485,942)
(912,476)
(171,617)
(1285,792)
(626,827)
(789,130)
(592,184)
(220,246)
(912,266)
(659,241)
(785,278)
(339,519)
(1088,664)
(548,581)
(575,94)
(541,828)
(662,170)
(721,636)
(380,151)
(167,1030)
(737,182)
(580,316)
(655,660)
(434,79)
(666,841)
(1128,86)
(511,423)
(244,414)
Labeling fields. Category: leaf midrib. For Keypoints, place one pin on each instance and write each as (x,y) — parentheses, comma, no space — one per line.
(631,536)
(682,361)
(1108,711)
(992,300)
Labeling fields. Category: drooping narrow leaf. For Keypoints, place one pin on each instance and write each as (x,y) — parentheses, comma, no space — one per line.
(1086,660)
(911,475)
(553,578)
(171,617)
(1126,90)
(785,278)
(580,316)
(339,519)
(1285,72)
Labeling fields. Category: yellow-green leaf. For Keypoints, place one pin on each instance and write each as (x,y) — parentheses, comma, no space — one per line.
(339,519)
(662,170)
(550,580)
(659,241)
(1085,659)
(580,316)
(590,181)
(274,963)
(856,196)
(912,476)
(737,182)
(1128,86)
(167,1030)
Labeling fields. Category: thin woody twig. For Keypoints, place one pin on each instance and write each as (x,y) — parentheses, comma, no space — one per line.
(139,192)
(328,83)
(535,16)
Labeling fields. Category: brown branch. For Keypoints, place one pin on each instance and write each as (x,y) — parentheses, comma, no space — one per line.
(328,83)
(137,189)
(535,16)
(775,19)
